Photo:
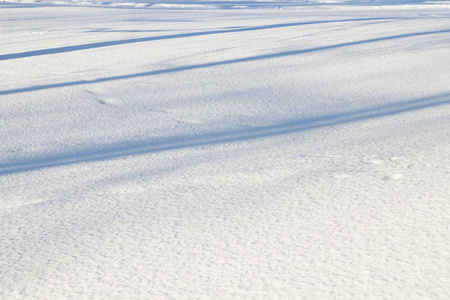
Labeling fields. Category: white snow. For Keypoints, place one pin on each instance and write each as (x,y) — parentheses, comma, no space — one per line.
(224,149)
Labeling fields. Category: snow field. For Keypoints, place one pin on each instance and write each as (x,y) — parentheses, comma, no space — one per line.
(212,153)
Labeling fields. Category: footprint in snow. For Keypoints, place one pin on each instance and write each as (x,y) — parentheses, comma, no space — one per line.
(341,176)
(377,161)
(189,121)
(394,158)
(104,99)
(395,176)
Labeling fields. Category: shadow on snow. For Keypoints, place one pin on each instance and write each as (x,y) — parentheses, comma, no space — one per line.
(156,145)
(166,37)
(113,151)
(218,63)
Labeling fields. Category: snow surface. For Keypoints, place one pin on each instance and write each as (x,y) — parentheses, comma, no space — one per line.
(225,149)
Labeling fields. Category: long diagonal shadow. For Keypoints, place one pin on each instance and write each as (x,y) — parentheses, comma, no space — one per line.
(218,63)
(166,37)
(114,151)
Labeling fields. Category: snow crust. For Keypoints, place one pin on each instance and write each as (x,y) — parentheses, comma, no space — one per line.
(225,150)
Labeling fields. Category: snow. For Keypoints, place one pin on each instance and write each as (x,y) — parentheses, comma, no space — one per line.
(224,149)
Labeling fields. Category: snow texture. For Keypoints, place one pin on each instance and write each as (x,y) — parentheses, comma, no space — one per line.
(224,149)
